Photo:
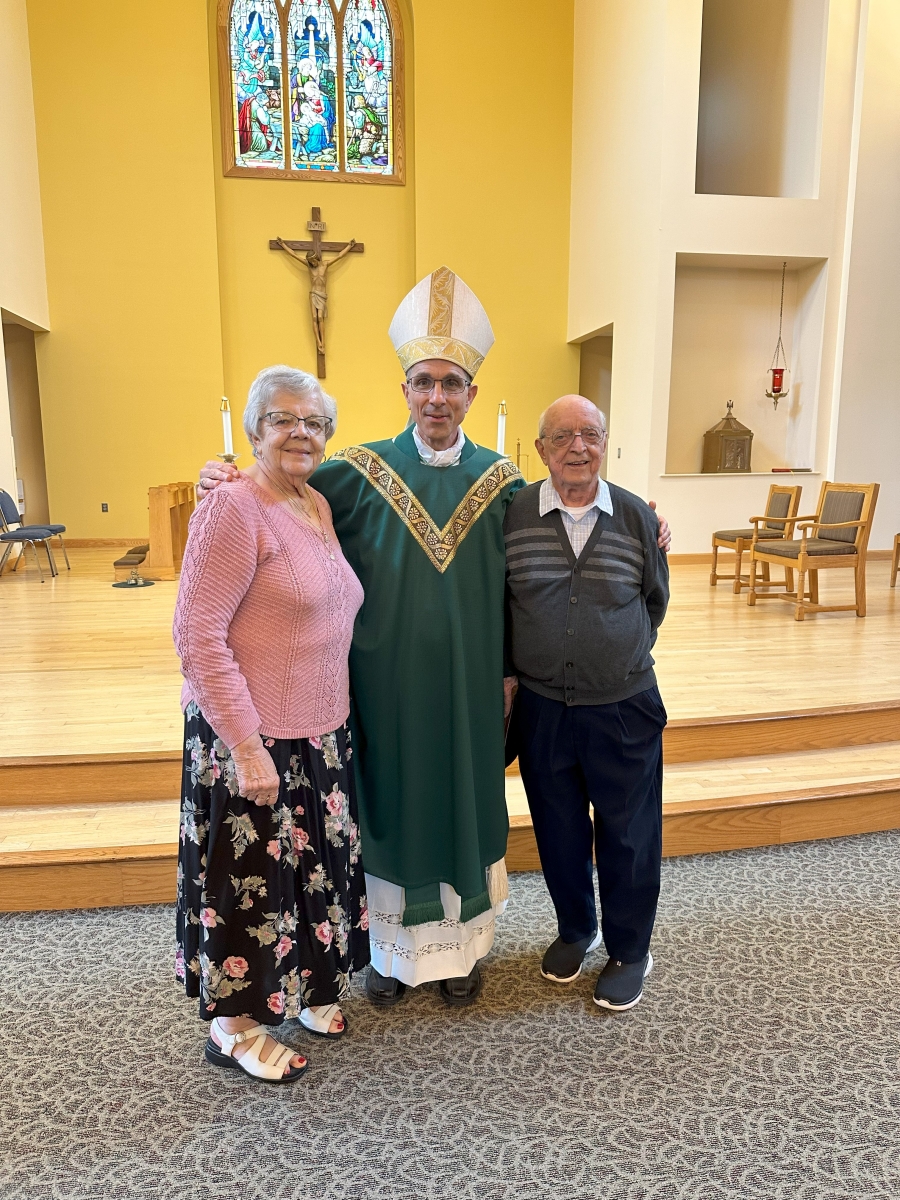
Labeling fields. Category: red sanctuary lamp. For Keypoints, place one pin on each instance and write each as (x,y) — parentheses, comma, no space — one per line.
(779,373)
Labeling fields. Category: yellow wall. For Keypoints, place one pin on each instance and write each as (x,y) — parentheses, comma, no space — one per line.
(163,289)
(265,304)
(493,154)
(131,370)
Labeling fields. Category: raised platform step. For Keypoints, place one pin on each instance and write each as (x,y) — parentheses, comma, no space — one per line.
(732,804)
(81,856)
(740,822)
(701,738)
(117,778)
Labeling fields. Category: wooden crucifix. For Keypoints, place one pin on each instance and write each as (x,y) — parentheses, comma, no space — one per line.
(312,256)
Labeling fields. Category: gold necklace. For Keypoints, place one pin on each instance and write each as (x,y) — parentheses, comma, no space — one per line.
(304,511)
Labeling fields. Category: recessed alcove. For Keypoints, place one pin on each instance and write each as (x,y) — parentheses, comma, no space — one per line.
(723,337)
(761,82)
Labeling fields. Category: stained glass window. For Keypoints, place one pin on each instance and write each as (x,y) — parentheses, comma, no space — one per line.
(368,87)
(257,110)
(312,63)
(313,86)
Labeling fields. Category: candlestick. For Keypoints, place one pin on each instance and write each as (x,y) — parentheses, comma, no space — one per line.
(227,426)
(229,454)
(501,428)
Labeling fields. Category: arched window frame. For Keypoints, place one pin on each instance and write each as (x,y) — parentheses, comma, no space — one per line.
(228,115)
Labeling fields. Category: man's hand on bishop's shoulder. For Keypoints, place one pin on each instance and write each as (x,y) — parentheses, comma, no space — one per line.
(213,474)
(664,541)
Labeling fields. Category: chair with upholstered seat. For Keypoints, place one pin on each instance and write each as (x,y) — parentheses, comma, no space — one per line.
(836,536)
(22,535)
(9,513)
(781,511)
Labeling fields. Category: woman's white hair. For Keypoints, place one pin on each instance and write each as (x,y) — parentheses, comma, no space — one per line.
(272,380)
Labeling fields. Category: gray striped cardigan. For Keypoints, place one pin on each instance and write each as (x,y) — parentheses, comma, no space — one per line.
(580,630)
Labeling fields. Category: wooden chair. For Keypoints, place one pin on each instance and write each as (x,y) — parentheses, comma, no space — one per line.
(895,560)
(837,535)
(781,511)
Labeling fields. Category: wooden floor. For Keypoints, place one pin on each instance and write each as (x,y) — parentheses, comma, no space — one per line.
(717,656)
(87,669)
(778,730)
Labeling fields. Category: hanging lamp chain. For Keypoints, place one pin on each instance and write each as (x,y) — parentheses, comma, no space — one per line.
(779,345)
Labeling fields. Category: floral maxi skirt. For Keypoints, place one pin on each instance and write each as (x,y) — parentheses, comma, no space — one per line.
(271,913)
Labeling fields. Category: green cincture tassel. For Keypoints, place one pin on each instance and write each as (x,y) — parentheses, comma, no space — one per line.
(475,906)
(423,904)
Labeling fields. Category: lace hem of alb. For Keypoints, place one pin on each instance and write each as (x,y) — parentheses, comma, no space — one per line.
(429,948)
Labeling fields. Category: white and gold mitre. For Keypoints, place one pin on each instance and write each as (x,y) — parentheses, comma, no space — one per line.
(441,318)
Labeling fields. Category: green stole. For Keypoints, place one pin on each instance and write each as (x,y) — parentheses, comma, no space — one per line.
(426,665)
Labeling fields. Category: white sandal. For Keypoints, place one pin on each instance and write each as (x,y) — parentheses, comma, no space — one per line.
(320,1023)
(250,1062)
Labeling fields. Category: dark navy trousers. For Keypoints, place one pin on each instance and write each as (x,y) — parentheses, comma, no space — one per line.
(607,757)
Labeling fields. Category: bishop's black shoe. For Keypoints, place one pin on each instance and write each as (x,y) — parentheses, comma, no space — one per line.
(464,989)
(382,989)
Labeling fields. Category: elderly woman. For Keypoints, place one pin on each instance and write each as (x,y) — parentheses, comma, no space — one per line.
(271,915)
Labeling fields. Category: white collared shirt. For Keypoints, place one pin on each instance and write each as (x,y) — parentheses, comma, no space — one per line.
(578,522)
(440,458)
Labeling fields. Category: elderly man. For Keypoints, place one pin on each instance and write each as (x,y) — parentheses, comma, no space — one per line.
(587,591)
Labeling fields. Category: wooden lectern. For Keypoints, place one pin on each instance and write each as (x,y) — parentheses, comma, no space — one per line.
(170,506)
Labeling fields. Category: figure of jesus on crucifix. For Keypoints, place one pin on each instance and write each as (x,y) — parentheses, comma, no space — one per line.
(312,256)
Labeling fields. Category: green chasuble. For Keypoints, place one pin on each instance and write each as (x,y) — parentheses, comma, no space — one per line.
(426,665)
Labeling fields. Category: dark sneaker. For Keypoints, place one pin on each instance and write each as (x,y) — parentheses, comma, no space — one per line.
(562,962)
(382,990)
(621,985)
(464,989)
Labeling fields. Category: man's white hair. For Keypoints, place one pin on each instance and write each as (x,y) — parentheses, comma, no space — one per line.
(542,419)
(272,380)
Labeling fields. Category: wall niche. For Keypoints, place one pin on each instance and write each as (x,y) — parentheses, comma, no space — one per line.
(723,337)
(759,114)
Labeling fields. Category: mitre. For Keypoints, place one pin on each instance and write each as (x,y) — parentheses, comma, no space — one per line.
(441,318)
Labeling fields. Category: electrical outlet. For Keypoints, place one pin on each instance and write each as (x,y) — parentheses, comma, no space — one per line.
(104,508)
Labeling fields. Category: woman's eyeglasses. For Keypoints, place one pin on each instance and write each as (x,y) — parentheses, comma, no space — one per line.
(285,422)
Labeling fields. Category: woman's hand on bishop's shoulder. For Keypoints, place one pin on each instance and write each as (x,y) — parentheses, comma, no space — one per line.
(213,474)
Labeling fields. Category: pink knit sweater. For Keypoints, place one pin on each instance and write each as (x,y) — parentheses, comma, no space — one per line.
(264,617)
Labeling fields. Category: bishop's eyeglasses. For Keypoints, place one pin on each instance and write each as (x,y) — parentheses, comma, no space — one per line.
(285,422)
(451,385)
(561,439)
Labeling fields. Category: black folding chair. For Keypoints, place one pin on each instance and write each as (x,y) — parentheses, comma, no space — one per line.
(11,516)
(27,535)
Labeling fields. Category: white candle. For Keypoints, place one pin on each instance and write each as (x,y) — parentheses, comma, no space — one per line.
(226,425)
(501,428)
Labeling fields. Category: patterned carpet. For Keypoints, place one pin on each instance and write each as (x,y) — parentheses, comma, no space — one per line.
(763,1062)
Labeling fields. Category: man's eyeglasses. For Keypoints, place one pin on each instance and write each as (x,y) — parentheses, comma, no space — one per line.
(451,385)
(561,439)
(285,422)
